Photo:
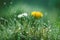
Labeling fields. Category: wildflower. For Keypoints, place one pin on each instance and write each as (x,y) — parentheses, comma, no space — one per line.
(37,14)
(22,15)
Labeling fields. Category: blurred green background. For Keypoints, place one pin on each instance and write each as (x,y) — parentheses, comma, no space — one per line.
(10,7)
(29,28)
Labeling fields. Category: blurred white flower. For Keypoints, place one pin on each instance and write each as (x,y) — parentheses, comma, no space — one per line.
(25,14)
(19,16)
(22,15)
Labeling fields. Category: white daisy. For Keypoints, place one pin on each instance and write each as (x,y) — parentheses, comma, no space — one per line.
(25,14)
(22,15)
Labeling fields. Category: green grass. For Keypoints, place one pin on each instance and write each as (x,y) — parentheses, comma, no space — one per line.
(28,28)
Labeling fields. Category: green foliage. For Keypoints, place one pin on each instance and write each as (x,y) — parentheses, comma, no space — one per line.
(28,28)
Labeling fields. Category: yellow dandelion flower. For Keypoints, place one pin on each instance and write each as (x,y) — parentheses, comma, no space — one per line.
(37,14)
